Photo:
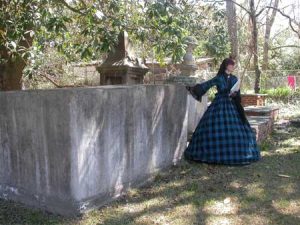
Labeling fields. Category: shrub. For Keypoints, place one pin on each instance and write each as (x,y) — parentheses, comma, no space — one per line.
(279,94)
(211,93)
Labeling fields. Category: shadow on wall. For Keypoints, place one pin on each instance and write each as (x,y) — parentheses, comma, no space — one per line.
(118,140)
(204,194)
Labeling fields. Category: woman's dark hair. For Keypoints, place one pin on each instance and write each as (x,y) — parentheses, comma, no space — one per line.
(224,64)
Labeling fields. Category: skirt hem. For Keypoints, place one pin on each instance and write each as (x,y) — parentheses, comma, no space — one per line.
(228,163)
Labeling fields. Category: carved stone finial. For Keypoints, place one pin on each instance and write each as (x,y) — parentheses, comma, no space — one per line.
(121,65)
(188,66)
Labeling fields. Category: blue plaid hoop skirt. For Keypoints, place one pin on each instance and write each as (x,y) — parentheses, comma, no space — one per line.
(221,136)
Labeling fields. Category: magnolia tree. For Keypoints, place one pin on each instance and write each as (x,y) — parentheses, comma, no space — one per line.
(21,22)
(84,29)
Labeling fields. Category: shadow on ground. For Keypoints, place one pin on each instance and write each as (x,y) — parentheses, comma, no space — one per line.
(267,192)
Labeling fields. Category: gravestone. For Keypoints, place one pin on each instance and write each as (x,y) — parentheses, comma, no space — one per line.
(121,65)
(187,77)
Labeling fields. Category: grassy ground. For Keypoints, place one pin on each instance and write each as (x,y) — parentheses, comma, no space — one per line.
(267,192)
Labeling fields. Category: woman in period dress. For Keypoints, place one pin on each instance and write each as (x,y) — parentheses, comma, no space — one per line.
(223,135)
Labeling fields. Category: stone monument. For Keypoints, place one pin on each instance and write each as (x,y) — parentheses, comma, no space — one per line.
(121,65)
(189,66)
(188,77)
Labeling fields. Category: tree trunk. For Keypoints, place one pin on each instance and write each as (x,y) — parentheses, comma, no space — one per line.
(269,23)
(232,29)
(11,74)
(11,70)
(254,46)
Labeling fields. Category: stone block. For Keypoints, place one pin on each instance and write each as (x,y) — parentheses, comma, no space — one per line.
(71,150)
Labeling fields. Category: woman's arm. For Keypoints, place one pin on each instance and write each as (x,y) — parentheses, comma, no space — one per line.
(237,99)
(236,96)
(199,90)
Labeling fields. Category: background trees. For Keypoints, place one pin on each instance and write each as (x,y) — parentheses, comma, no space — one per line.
(85,29)
(256,21)
(81,30)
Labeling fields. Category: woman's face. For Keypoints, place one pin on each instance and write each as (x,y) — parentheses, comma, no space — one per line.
(230,68)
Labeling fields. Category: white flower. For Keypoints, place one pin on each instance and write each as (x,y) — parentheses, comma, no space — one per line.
(99,14)
(52,44)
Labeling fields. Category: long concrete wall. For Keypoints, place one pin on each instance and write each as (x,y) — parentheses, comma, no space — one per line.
(70,150)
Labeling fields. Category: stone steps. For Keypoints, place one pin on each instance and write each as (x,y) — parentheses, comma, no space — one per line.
(262,111)
(261,119)
(262,126)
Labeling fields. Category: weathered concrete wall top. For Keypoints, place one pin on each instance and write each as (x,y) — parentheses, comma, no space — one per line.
(69,150)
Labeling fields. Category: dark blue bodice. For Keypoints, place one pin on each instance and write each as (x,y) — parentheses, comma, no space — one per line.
(223,83)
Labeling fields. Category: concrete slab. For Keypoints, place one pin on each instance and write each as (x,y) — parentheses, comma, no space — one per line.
(70,150)
(262,126)
(262,111)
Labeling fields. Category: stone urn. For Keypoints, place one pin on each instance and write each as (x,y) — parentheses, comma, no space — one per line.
(189,66)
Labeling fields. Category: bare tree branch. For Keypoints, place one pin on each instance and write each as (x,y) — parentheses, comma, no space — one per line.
(57,85)
(261,11)
(256,8)
(291,20)
(279,32)
(269,24)
(285,46)
(246,67)
(241,6)
(71,8)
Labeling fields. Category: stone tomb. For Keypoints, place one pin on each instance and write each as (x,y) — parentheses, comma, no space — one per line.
(71,150)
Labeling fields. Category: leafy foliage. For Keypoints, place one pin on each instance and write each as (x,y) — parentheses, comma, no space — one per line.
(85,29)
(23,21)
(218,41)
(278,94)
